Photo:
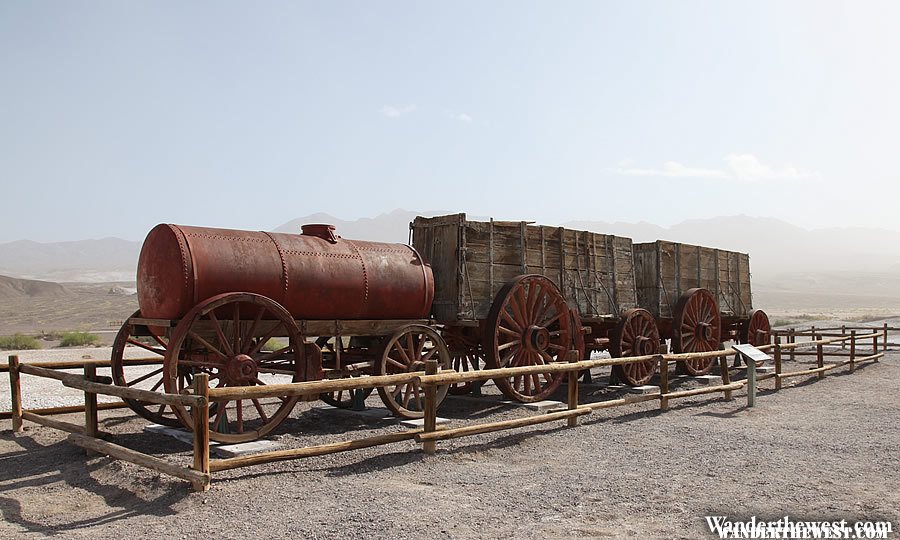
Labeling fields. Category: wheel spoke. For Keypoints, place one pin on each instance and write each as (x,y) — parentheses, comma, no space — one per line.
(522,304)
(259,345)
(398,365)
(516,313)
(206,344)
(406,396)
(506,359)
(508,332)
(273,354)
(259,409)
(143,378)
(247,341)
(406,357)
(504,315)
(147,347)
(418,397)
(223,341)
(429,355)
(551,320)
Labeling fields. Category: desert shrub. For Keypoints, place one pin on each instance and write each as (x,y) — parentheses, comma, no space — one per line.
(17,342)
(274,345)
(75,339)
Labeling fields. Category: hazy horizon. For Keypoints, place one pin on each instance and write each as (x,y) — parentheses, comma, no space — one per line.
(568,222)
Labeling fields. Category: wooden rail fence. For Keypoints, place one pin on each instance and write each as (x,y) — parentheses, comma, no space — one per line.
(201,395)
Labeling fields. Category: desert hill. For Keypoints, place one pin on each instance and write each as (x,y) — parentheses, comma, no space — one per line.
(14,288)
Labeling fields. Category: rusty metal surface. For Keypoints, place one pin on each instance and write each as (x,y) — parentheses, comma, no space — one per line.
(316,275)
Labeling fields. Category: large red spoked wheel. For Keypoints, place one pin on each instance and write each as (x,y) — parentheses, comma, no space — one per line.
(342,399)
(756,331)
(529,324)
(466,354)
(144,378)
(635,335)
(239,339)
(697,328)
(407,351)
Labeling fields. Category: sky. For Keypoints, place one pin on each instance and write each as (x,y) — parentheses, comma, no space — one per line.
(115,116)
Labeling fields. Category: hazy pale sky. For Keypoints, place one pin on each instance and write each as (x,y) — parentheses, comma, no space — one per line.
(118,115)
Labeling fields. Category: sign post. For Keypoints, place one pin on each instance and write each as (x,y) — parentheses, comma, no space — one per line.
(751,356)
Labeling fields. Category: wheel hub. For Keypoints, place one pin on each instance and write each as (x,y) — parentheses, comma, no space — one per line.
(240,369)
(703,331)
(643,346)
(537,338)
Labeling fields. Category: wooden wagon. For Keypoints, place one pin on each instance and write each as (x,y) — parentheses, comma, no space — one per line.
(502,285)
(699,296)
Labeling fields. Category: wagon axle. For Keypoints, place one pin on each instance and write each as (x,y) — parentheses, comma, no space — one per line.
(240,369)
(536,339)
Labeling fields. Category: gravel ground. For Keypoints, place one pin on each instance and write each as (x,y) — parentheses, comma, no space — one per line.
(816,450)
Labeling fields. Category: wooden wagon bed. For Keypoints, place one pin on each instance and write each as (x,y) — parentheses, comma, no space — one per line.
(473,260)
(665,270)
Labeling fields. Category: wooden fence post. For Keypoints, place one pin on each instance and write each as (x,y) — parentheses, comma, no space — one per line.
(200,414)
(726,378)
(884,342)
(843,333)
(792,338)
(430,417)
(777,355)
(820,360)
(875,344)
(15,392)
(852,350)
(663,382)
(91,420)
(573,389)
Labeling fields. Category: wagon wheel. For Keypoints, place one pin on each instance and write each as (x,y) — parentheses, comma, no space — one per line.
(152,380)
(756,331)
(342,399)
(466,354)
(214,338)
(578,343)
(407,351)
(529,324)
(696,328)
(635,335)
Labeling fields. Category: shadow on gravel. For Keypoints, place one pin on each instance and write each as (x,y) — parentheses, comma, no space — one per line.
(39,466)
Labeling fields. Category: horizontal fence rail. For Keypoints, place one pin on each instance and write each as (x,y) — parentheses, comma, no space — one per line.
(200,395)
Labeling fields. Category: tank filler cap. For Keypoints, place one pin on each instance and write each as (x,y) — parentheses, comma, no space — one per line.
(321,230)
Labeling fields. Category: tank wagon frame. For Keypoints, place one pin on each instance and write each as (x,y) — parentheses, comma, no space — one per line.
(254,308)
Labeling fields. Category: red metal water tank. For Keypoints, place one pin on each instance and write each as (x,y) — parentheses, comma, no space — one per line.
(314,275)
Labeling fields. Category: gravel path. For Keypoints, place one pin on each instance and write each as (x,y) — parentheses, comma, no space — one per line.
(816,450)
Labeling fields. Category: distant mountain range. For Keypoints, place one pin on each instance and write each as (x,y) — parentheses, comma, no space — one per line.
(783,256)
